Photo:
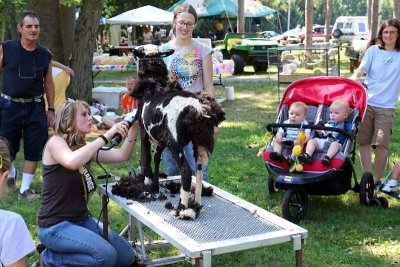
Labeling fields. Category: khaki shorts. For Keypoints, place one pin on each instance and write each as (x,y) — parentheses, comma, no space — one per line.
(376,129)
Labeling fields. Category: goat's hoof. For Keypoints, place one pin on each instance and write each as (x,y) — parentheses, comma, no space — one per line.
(187,214)
(155,189)
(207,191)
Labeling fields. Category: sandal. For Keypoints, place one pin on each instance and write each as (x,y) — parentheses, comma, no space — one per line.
(305,158)
(326,161)
(275,156)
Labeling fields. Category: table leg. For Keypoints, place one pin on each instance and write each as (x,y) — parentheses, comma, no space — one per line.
(105,217)
(297,244)
(299,258)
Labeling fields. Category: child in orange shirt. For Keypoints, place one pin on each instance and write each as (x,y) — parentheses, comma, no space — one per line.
(128,104)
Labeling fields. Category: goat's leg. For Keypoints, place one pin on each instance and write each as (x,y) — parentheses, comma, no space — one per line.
(146,158)
(157,158)
(183,210)
(201,161)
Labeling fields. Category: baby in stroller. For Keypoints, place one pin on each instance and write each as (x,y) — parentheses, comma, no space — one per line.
(287,136)
(328,140)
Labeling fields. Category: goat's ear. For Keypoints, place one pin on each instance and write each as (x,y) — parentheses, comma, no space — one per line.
(167,53)
(139,52)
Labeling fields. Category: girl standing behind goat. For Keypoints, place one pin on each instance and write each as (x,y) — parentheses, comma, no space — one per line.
(191,66)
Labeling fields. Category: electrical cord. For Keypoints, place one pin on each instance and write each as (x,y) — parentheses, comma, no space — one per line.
(106,194)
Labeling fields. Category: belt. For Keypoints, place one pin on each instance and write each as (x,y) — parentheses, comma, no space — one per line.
(23,100)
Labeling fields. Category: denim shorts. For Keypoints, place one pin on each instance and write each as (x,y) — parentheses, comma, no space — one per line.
(27,121)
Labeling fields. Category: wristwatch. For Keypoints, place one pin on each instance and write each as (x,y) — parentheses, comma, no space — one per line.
(51,109)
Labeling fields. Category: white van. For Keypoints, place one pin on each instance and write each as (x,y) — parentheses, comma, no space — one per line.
(349,28)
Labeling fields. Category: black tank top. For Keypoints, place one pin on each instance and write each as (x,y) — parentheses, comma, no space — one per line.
(62,197)
(24,71)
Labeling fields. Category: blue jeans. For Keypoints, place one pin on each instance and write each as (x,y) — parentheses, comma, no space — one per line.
(81,244)
(171,168)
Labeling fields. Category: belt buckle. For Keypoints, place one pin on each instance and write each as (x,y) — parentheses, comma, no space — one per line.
(37,99)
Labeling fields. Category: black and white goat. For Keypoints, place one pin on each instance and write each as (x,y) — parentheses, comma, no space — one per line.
(171,117)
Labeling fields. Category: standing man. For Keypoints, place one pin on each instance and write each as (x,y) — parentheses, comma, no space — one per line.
(27,75)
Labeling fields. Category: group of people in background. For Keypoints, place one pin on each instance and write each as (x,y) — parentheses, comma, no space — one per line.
(69,233)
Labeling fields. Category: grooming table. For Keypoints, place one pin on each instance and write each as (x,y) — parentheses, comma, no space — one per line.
(226,224)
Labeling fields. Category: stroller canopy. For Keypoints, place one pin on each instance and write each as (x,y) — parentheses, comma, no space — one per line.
(325,90)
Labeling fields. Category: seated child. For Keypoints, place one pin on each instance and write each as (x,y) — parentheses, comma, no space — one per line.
(15,240)
(128,105)
(332,141)
(297,115)
(392,185)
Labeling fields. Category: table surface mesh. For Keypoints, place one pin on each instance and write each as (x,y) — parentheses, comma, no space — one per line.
(219,220)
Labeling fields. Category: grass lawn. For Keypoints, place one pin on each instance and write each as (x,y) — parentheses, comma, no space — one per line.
(341,231)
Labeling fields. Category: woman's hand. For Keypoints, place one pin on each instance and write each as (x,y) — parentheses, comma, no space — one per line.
(121,127)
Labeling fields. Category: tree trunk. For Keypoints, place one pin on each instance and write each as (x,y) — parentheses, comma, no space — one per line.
(9,20)
(67,19)
(309,22)
(369,16)
(396,9)
(328,17)
(82,51)
(374,18)
(50,29)
(240,16)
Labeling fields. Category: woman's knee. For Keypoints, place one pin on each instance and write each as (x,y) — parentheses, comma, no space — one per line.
(105,256)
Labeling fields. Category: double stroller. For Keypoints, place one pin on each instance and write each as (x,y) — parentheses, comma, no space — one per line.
(315,178)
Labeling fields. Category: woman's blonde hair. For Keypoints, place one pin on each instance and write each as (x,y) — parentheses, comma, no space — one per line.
(5,157)
(65,123)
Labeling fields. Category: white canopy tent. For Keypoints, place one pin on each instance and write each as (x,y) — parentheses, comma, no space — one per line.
(145,15)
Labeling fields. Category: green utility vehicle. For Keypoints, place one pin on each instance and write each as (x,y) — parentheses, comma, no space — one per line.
(249,49)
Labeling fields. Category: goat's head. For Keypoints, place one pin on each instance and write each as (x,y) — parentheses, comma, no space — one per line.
(214,109)
(153,73)
(150,61)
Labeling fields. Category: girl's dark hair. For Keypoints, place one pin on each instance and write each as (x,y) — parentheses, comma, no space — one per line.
(390,22)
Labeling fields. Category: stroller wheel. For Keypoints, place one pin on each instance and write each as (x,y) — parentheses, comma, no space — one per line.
(384,202)
(366,189)
(272,186)
(295,204)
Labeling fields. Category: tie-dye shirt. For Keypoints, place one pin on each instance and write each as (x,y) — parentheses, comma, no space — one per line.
(186,65)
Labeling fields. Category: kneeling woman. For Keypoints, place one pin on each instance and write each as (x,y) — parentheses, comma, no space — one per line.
(72,237)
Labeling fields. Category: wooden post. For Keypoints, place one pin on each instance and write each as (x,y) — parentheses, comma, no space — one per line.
(299,258)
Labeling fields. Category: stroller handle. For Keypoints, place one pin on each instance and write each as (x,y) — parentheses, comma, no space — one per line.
(271,126)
